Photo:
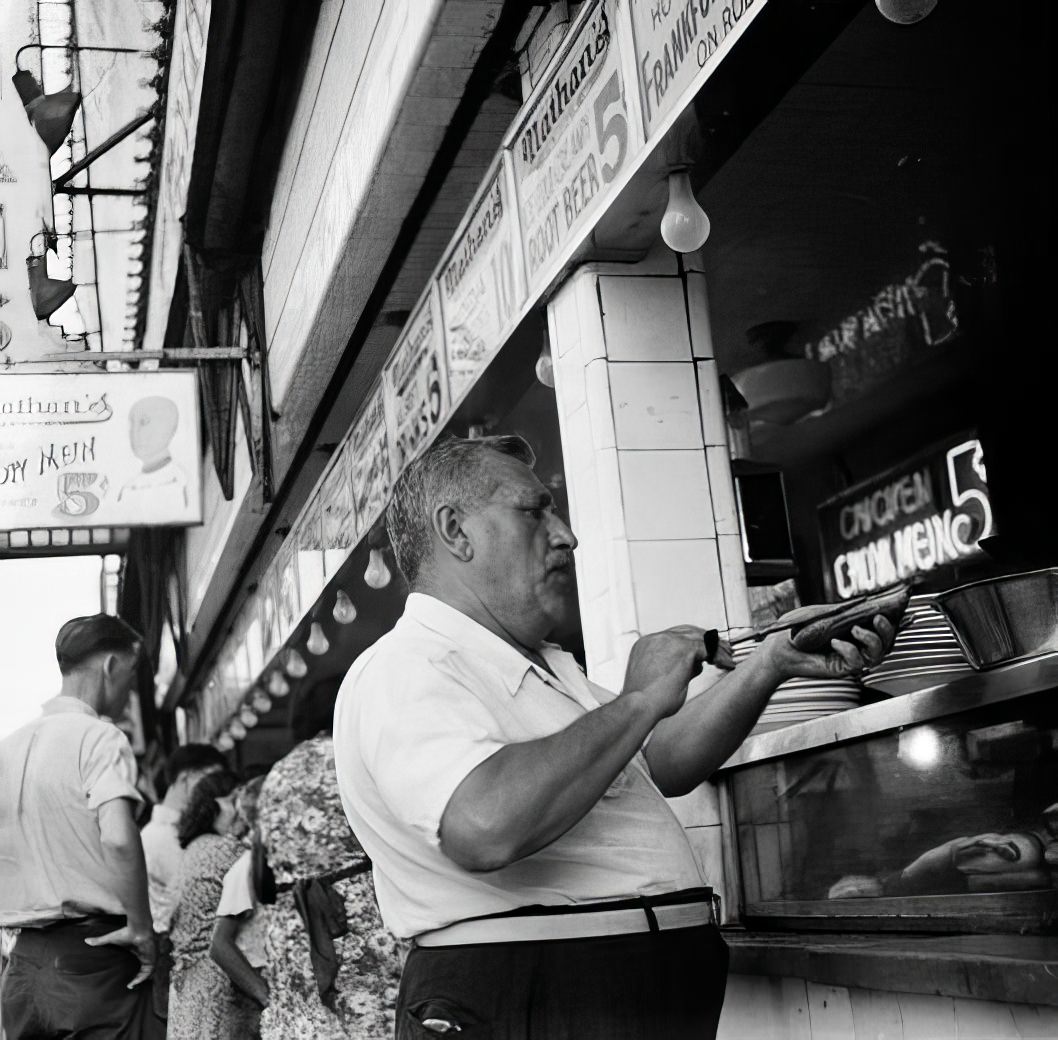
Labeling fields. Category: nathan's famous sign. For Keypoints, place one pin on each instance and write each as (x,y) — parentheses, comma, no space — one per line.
(101,450)
(930,512)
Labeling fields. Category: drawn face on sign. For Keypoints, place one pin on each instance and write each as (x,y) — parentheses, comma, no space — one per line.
(152,423)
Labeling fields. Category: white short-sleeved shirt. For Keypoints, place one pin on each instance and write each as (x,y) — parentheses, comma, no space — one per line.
(55,773)
(237,900)
(161,850)
(424,706)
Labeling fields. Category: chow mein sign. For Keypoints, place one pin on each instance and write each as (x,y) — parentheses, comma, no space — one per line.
(101,450)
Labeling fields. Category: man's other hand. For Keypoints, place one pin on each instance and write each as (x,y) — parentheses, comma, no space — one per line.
(140,944)
(663,663)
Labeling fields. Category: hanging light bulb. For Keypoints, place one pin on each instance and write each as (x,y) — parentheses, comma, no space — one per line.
(905,12)
(317,643)
(685,226)
(261,702)
(344,609)
(545,367)
(248,717)
(296,667)
(237,730)
(277,684)
(377,574)
(225,742)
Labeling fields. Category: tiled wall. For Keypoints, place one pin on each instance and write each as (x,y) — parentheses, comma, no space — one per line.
(647,468)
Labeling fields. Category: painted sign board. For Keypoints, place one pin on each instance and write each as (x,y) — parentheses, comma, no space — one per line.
(929,512)
(111,449)
(415,384)
(368,456)
(571,142)
(678,44)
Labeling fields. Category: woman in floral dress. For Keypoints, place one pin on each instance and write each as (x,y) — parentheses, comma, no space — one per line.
(203,1003)
(305,835)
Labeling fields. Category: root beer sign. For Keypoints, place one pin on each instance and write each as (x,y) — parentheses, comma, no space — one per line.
(930,512)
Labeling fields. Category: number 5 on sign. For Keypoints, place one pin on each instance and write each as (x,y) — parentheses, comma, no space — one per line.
(614,127)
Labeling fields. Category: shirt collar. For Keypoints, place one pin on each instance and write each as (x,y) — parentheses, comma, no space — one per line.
(472,638)
(67,705)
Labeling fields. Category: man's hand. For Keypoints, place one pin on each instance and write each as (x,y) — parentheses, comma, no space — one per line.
(140,944)
(846,658)
(663,663)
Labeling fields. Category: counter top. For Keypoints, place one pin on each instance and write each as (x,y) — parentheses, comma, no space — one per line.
(1014,968)
(962,694)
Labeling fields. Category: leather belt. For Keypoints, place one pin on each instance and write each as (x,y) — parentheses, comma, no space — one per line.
(598,923)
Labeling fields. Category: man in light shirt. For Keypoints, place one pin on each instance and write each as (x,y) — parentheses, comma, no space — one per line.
(72,876)
(514,811)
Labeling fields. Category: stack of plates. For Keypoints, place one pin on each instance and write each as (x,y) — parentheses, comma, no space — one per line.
(925,653)
(798,700)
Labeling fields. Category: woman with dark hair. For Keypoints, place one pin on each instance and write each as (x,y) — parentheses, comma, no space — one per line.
(203,1003)
(332,967)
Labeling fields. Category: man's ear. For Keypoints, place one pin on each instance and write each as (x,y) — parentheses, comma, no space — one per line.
(448,526)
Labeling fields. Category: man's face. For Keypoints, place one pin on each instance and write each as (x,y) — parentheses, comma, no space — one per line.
(523,552)
(150,431)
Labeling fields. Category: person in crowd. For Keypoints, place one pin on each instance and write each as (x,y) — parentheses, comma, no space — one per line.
(238,944)
(203,1003)
(72,874)
(161,849)
(514,811)
(332,967)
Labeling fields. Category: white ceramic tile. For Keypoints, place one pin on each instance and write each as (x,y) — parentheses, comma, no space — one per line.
(623,603)
(707,843)
(592,343)
(600,404)
(711,403)
(577,454)
(596,628)
(698,316)
(569,384)
(733,571)
(677,583)
(608,477)
(722,489)
(666,494)
(700,808)
(644,319)
(655,405)
(563,325)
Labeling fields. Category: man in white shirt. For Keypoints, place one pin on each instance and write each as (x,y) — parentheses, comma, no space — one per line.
(72,876)
(514,811)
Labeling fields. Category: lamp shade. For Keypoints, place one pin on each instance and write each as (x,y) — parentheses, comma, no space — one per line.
(51,114)
(47,294)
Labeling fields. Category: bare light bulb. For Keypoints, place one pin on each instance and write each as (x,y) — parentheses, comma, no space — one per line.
(905,12)
(545,368)
(248,717)
(317,643)
(344,611)
(296,667)
(261,702)
(685,226)
(225,742)
(377,574)
(237,730)
(277,684)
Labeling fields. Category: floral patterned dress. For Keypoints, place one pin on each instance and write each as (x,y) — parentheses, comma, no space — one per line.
(305,834)
(203,1002)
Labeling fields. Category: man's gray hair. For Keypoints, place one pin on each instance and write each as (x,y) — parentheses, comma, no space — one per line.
(449,472)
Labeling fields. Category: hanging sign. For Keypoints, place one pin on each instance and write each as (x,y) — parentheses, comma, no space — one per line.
(339,512)
(930,512)
(415,383)
(367,451)
(571,142)
(99,450)
(481,283)
(678,44)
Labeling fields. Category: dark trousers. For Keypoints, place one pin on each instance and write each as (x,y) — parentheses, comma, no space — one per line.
(667,985)
(57,987)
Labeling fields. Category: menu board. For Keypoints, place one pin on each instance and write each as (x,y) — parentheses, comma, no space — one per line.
(415,384)
(369,458)
(309,540)
(287,589)
(675,42)
(929,512)
(481,282)
(339,512)
(570,143)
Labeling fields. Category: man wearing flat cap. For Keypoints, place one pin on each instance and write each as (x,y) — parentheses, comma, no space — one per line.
(514,811)
(72,875)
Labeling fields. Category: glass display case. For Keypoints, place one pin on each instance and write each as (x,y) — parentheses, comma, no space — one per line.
(945,824)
